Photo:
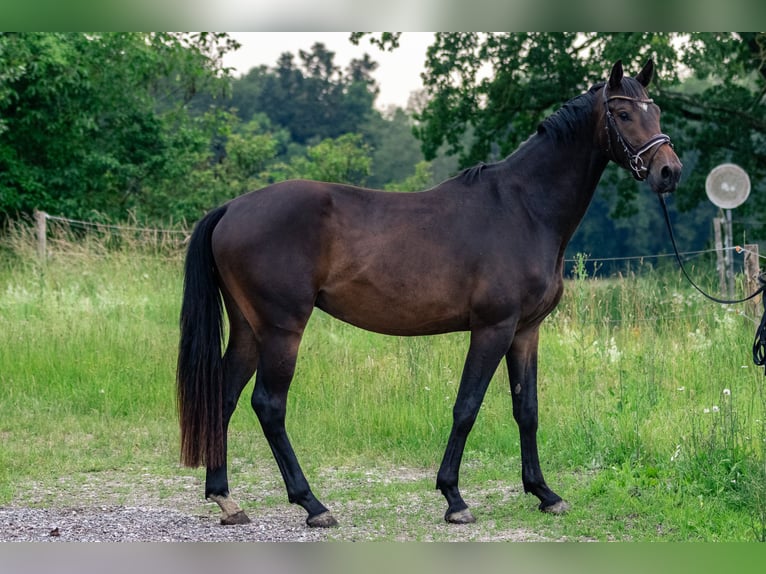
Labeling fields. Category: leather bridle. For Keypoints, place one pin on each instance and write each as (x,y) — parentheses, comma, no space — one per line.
(635,160)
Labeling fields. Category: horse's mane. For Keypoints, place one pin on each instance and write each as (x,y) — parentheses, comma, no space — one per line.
(571,119)
(575,114)
(473,173)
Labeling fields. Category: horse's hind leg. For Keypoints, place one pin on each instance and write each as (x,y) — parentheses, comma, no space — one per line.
(279,351)
(239,364)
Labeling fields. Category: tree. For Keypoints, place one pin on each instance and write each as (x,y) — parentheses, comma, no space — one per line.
(345,159)
(96,122)
(313,98)
(720,110)
(396,150)
(422,178)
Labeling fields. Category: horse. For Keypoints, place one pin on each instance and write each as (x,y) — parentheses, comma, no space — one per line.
(481,252)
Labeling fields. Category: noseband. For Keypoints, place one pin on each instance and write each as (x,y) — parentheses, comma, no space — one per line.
(636,162)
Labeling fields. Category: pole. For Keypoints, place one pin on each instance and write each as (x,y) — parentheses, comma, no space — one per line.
(752,271)
(42,234)
(719,258)
(728,255)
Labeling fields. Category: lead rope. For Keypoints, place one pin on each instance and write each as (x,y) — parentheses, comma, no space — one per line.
(759,344)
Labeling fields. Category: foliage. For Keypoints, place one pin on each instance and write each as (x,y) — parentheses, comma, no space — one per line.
(720,110)
(96,122)
(345,159)
(314,99)
(421,179)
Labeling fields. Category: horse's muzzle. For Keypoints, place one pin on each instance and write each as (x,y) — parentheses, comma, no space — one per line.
(664,170)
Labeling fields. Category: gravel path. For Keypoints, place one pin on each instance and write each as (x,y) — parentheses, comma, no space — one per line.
(141,524)
(115,506)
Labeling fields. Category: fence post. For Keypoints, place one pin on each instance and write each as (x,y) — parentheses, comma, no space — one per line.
(720,261)
(42,234)
(728,243)
(752,271)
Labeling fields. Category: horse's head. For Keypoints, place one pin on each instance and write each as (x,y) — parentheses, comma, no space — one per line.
(632,137)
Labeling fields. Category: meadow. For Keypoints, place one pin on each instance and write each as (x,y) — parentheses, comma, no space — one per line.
(652,415)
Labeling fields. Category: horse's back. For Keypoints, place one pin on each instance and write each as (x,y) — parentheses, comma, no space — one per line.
(385,261)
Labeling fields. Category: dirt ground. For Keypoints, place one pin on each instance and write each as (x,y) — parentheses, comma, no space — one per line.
(117,507)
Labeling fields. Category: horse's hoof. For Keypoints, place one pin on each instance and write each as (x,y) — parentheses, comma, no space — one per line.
(236,518)
(324,520)
(460,517)
(559,507)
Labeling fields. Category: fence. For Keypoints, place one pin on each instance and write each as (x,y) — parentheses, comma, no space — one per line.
(159,236)
(751,266)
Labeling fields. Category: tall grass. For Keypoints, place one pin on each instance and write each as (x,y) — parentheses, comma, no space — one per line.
(86,354)
(651,413)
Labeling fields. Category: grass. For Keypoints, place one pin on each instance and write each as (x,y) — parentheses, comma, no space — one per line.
(651,413)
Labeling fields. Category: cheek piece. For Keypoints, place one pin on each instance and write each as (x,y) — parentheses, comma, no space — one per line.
(634,155)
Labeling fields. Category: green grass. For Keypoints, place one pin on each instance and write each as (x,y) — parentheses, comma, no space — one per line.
(651,412)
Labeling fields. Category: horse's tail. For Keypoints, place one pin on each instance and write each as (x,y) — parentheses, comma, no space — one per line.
(199,376)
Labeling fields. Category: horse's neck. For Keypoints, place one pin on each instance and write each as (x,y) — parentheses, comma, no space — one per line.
(556,180)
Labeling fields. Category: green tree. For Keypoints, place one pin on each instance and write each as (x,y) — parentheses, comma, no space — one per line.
(396,150)
(313,98)
(421,179)
(99,122)
(346,159)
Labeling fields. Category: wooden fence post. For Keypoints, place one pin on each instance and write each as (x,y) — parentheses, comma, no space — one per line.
(752,271)
(42,234)
(719,256)
(728,256)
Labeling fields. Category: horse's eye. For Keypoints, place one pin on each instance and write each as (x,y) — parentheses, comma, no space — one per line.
(623,116)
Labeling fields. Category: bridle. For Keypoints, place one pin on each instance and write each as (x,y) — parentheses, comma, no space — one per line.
(636,162)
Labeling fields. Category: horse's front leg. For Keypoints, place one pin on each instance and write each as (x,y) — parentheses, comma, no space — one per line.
(487,348)
(522,372)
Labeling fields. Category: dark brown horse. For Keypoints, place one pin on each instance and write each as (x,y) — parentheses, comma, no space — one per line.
(481,252)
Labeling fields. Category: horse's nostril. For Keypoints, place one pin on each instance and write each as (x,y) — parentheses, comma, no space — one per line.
(666,173)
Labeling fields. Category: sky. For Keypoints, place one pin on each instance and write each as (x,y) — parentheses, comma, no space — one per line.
(398,72)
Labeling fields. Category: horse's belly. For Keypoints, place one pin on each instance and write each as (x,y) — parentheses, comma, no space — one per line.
(402,315)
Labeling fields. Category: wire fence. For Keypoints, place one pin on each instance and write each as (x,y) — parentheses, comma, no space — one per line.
(164,239)
(55,233)
(119,228)
(63,236)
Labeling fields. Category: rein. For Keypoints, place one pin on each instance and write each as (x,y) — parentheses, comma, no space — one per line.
(759,344)
(636,162)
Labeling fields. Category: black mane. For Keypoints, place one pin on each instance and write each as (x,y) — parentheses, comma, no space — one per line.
(472,174)
(572,118)
(574,115)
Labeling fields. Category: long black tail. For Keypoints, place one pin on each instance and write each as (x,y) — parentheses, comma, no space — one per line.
(199,376)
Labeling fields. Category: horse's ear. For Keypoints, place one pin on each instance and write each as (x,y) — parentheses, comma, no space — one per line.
(615,78)
(645,75)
